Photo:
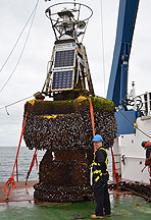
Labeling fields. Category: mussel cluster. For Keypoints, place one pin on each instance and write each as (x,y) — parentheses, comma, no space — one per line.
(64,129)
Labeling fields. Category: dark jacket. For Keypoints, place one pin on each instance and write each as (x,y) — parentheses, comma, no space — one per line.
(99,165)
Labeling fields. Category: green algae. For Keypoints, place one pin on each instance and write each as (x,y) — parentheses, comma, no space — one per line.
(67,106)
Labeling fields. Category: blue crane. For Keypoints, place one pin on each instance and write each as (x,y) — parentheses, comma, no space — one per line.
(117,88)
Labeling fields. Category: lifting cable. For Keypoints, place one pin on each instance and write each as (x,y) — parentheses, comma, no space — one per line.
(34,160)
(103,50)
(92,115)
(31,17)
(93,131)
(115,174)
(10,183)
(18,38)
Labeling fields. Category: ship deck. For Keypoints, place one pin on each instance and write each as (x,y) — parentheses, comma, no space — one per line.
(22,193)
(21,207)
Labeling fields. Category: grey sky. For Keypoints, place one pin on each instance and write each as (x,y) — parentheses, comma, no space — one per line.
(31,72)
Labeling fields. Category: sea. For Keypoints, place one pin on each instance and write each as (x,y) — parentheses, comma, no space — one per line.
(7,157)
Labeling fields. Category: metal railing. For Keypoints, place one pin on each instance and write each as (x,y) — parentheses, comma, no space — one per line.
(146,103)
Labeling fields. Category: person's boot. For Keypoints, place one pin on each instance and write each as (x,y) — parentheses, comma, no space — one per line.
(94,216)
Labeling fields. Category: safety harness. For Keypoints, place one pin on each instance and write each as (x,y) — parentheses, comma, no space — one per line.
(96,167)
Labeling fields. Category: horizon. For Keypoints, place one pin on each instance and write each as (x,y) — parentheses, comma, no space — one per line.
(30,75)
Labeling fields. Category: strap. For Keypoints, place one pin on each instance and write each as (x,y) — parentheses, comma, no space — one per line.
(10,183)
(97,171)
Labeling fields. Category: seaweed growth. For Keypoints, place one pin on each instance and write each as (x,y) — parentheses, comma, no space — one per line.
(64,129)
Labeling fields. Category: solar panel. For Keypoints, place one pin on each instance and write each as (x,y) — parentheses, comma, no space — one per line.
(64,58)
(62,80)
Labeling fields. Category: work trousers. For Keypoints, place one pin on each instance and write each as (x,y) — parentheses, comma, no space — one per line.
(102,199)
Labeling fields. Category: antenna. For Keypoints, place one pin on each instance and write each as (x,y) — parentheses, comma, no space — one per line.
(74,4)
(70,22)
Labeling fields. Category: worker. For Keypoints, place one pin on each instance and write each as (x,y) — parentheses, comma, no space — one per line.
(147,147)
(100,179)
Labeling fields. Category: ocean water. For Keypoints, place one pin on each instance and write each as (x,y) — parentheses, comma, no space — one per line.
(7,157)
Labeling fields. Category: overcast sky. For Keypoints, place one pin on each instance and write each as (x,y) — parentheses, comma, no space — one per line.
(31,72)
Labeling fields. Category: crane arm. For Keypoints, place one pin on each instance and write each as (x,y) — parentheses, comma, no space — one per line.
(117,88)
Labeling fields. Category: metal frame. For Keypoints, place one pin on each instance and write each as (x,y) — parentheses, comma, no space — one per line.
(54,22)
(117,87)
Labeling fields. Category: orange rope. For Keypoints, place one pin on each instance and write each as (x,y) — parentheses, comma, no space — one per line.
(92,115)
(92,119)
(115,174)
(10,183)
(34,160)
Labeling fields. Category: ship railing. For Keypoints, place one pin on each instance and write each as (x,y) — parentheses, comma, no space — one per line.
(145,105)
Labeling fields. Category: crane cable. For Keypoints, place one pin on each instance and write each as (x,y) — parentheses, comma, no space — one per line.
(16,42)
(92,115)
(31,17)
(103,50)
(93,132)
(115,174)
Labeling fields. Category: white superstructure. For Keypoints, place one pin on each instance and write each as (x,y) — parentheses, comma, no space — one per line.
(128,149)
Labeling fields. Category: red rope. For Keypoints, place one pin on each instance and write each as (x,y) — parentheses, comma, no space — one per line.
(10,183)
(34,160)
(149,167)
(115,174)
